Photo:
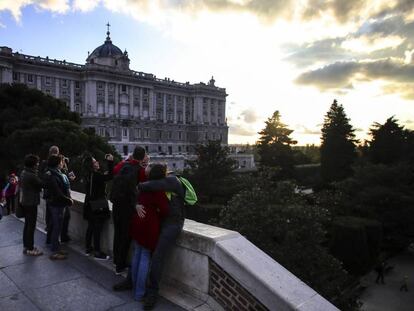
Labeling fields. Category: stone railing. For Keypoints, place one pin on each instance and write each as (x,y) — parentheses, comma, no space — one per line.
(211,268)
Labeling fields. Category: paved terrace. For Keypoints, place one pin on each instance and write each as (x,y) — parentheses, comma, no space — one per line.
(38,283)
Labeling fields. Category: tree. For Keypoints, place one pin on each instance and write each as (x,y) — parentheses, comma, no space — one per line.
(31,122)
(211,168)
(338,150)
(389,142)
(288,229)
(274,145)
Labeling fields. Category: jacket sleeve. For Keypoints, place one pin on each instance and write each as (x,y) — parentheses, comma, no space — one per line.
(169,183)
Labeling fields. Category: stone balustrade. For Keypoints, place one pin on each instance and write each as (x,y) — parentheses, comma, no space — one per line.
(211,268)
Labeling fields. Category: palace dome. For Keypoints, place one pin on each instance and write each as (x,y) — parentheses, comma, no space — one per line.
(106,50)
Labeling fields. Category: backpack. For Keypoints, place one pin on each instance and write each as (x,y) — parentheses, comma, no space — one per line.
(124,184)
(190,197)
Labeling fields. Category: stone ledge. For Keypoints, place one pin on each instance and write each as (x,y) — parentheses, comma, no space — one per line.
(187,269)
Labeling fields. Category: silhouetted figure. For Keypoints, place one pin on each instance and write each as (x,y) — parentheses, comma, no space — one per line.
(404,285)
(380,273)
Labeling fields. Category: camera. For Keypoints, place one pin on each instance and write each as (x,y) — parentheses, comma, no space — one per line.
(66,159)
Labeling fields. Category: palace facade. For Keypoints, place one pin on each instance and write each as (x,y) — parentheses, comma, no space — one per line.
(126,106)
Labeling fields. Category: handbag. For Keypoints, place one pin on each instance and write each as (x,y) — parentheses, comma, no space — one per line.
(98,206)
(19,208)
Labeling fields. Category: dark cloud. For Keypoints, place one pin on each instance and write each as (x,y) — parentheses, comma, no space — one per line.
(400,6)
(249,116)
(340,75)
(267,9)
(327,50)
(343,10)
(240,130)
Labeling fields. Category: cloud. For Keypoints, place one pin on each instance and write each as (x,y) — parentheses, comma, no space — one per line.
(341,75)
(301,129)
(405,90)
(266,10)
(241,130)
(341,10)
(249,115)
(15,6)
(85,5)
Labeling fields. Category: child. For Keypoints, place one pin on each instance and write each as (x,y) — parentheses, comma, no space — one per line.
(9,193)
(145,231)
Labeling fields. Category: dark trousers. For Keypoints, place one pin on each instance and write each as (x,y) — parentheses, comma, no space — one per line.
(30,215)
(11,204)
(122,241)
(56,214)
(168,236)
(65,224)
(94,230)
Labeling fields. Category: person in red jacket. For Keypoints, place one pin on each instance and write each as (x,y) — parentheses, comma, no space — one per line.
(9,193)
(145,231)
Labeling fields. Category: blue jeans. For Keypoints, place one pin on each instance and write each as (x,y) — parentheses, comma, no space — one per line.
(139,270)
(168,235)
(56,213)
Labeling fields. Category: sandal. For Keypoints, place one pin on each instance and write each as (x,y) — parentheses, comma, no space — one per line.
(57,256)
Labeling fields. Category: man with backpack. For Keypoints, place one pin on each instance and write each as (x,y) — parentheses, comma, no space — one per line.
(123,195)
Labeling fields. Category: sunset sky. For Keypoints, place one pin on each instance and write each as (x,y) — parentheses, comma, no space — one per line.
(286,55)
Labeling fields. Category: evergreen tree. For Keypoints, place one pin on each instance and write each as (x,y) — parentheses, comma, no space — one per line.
(338,150)
(389,142)
(274,145)
(211,168)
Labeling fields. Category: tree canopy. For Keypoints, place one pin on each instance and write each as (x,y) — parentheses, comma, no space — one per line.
(30,122)
(338,149)
(211,168)
(274,145)
(389,143)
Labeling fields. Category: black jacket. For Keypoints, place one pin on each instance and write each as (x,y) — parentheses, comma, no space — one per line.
(30,187)
(169,184)
(97,191)
(58,190)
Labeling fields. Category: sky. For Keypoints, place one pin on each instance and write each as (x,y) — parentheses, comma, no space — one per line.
(294,56)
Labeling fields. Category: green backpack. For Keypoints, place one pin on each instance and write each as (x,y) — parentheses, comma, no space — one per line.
(190,194)
(190,197)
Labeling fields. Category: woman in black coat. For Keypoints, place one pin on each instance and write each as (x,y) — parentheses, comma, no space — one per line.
(95,187)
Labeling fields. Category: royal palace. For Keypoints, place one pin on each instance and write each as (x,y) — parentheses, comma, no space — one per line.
(126,106)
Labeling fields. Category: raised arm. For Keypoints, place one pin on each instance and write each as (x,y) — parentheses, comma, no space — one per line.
(169,183)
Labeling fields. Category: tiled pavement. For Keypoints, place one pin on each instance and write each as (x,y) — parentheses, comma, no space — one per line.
(38,283)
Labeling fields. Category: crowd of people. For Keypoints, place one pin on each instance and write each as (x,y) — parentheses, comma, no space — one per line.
(147,212)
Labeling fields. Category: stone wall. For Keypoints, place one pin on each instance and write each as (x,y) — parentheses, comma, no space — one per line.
(229,293)
(211,268)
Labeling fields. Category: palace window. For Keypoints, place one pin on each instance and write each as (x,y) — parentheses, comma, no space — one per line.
(48,81)
(77,85)
(30,78)
(147,133)
(15,76)
(123,87)
(65,83)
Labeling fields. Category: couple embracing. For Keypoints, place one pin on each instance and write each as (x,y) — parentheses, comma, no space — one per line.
(154,225)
